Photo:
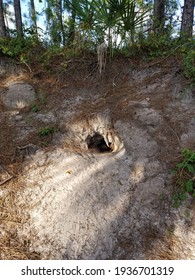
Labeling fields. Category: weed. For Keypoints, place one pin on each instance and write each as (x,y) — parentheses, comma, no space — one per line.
(162,196)
(24,49)
(189,65)
(43,99)
(185,177)
(46,131)
(34,108)
(53,52)
(188,53)
(44,143)
(158,45)
(12,47)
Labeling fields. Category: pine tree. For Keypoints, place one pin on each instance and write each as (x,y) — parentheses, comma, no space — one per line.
(18,17)
(159,15)
(55,27)
(33,15)
(70,7)
(187,19)
(2,21)
(59,13)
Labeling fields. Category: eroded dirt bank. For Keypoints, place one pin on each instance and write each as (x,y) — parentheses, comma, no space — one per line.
(99,185)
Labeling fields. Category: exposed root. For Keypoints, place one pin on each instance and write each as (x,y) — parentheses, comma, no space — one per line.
(102,55)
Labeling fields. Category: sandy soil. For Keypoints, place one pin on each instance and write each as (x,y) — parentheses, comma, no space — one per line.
(99,184)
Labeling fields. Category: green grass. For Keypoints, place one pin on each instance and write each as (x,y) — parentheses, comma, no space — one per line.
(184,177)
(45,131)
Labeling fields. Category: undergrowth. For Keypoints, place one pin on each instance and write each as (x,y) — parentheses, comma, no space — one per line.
(31,50)
(184,177)
(187,50)
(189,65)
(46,131)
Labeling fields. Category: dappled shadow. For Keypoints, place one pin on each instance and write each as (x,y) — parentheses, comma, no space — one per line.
(97,206)
(80,198)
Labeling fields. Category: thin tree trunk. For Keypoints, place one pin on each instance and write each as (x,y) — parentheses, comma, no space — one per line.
(71,35)
(7,22)
(187,19)
(60,21)
(159,15)
(18,17)
(33,15)
(2,21)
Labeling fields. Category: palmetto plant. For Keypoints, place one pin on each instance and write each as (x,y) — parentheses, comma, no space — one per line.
(84,17)
(131,15)
(106,19)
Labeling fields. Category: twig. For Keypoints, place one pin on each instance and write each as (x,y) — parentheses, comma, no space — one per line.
(90,73)
(8,127)
(168,125)
(6,180)
(26,146)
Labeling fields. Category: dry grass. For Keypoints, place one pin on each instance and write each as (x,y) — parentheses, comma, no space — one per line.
(11,247)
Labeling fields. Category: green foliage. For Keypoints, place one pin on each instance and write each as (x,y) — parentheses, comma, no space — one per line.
(189,65)
(54,21)
(12,47)
(188,51)
(185,177)
(45,131)
(34,107)
(40,102)
(130,16)
(52,52)
(171,9)
(100,20)
(158,45)
(24,49)
(59,55)
(42,98)
(75,26)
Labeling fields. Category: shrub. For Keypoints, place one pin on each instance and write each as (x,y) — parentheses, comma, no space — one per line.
(189,65)
(185,177)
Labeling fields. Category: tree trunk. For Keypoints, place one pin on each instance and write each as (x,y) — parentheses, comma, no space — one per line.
(187,19)
(18,17)
(59,13)
(2,21)
(159,15)
(71,33)
(33,15)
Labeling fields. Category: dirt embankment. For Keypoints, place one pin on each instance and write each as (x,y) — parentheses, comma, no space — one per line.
(86,164)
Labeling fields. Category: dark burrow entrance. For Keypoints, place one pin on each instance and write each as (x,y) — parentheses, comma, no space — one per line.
(97,143)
